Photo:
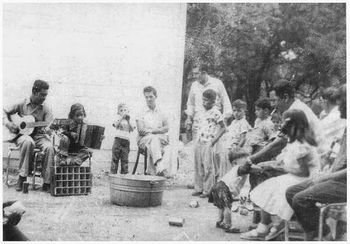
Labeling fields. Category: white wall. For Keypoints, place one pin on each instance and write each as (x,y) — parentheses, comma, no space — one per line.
(95,54)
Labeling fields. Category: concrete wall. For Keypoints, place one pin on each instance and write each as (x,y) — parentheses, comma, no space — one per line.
(95,54)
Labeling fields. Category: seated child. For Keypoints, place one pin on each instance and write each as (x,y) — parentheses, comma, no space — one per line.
(276,119)
(211,128)
(121,145)
(234,138)
(71,139)
(263,129)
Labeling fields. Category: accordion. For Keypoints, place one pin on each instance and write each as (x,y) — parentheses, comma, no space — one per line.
(89,135)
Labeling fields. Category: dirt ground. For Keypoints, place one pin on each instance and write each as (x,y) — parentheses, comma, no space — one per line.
(95,218)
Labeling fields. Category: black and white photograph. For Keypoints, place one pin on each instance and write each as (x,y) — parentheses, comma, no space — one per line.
(174,121)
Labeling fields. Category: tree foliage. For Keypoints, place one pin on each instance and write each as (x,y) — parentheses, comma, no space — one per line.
(246,45)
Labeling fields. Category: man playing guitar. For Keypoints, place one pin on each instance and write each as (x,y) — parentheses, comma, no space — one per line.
(40,138)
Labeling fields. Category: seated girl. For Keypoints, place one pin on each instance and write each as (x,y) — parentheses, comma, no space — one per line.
(300,160)
(72,150)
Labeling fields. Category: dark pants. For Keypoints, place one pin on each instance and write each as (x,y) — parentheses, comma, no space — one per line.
(12,233)
(68,148)
(120,151)
(257,177)
(303,197)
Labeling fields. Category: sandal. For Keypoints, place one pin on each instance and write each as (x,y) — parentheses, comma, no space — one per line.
(222,225)
(254,235)
(275,231)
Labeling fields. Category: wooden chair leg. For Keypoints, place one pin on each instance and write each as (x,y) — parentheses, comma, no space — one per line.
(145,160)
(7,167)
(320,228)
(34,169)
(136,163)
(286,230)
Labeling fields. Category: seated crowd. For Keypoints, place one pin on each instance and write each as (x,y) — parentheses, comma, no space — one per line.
(293,160)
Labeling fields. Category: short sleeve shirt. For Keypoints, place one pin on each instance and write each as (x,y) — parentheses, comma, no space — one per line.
(209,125)
(26,107)
(261,133)
(234,131)
(340,161)
(122,131)
(299,156)
(152,119)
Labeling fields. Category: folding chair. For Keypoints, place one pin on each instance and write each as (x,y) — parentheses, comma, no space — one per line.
(36,169)
(336,211)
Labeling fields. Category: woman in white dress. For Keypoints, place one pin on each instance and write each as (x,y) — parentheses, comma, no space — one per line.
(300,160)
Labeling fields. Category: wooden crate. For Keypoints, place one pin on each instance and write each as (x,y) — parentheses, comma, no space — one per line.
(71,180)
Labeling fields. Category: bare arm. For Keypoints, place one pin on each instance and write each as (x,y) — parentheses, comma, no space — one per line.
(162,130)
(131,126)
(219,134)
(190,109)
(140,125)
(270,150)
(242,139)
(226,104)
(6,119)
(118,121)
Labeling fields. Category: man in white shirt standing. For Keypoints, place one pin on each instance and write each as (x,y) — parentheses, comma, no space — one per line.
(194,102)
(152,126)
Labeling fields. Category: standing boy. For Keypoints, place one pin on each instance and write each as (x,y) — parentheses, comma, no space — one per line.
(211,129)
(121,145)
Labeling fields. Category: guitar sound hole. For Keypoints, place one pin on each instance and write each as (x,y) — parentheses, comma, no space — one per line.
(22,125)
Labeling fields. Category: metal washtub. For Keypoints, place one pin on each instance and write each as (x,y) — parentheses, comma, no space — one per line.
(136,190)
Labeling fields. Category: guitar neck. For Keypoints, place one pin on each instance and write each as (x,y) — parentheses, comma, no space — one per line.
(37,124)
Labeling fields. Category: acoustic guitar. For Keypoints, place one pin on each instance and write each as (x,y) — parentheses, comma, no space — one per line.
(26,125)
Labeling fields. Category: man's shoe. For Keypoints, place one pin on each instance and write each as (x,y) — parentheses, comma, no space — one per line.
(203,195)
(196,194)
(161,173)
(19,186)
(46,187)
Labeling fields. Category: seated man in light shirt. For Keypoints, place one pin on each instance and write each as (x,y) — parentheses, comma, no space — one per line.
(331,124)
(153,127)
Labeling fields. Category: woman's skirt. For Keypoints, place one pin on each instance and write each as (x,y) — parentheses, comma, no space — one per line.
(270,195)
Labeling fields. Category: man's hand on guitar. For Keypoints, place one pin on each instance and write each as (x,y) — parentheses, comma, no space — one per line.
(12,127)
(48,132)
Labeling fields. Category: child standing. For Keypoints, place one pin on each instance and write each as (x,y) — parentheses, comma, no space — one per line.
(71,139)
(210,130)
(222,195)
(121,145)
(233,139)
